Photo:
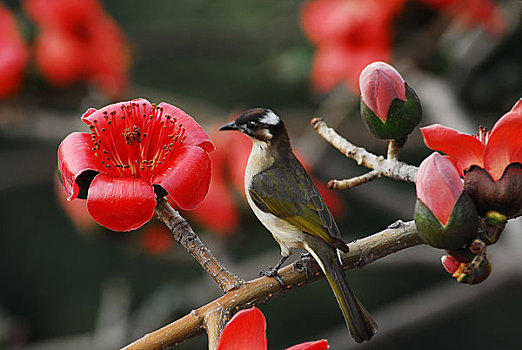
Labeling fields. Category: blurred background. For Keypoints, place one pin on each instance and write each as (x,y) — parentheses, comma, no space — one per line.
(67,283)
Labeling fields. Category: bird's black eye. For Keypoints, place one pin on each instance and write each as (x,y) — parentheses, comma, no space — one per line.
(251,124)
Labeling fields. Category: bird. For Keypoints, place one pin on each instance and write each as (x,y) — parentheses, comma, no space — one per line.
(284,198)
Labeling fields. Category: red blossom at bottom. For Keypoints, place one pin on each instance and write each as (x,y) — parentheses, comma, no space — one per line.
(247,330)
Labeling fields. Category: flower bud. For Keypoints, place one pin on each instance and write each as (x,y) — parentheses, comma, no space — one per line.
(389,107)
(450,263)
(445,215)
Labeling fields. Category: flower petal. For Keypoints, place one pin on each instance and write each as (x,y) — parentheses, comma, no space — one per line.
(380,84)
(505,143)
(93,116)
(195,134)
(121,204)
(438,186)
(246,330)
(463,148)
(311,345)
(186,178)
(75,156)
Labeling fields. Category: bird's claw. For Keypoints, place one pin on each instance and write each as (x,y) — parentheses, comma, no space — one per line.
(272,273)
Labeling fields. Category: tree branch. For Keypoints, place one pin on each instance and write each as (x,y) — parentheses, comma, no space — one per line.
(389,167)
(397,237)
(185,236)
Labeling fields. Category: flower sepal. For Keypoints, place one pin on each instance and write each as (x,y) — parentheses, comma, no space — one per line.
(402,118)
(503,196)
(459,230)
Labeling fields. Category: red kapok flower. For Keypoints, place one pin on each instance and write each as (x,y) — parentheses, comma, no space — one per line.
(350,34)
(135,153)
(79,41)
(490,162)
(247,330)
(13,54)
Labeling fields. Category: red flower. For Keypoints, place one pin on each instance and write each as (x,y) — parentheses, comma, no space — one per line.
(13,54)
(135,152)
(247,330)
(78,41)
(350,34)
(492,151)
(491,162)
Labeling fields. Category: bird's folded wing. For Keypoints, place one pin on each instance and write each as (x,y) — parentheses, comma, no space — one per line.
(291,195)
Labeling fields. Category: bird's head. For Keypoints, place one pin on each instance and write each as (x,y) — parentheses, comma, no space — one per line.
(261,124)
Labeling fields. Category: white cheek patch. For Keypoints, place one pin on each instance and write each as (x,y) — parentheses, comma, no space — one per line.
(270,118)
(264,134)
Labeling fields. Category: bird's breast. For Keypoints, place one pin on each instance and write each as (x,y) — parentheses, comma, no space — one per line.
(287,235)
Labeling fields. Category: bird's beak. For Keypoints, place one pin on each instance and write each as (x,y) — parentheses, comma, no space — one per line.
(229,126)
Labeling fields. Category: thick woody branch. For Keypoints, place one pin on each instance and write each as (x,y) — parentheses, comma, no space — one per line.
(389,167)
(397,237)
(185,236)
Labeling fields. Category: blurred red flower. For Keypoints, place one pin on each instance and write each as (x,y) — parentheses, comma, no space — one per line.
(135,153)
(13,54)
(79,41)
(247,330)
(219,211)
(349,34)
(156,239)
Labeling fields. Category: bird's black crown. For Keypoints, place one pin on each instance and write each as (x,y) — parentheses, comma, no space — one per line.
(259,123)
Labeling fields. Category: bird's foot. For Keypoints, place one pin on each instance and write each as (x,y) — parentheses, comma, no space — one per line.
(272,272)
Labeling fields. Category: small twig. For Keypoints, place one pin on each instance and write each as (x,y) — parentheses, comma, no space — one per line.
(391,168)
(261,290)
(185,236)
(395,147)
(354,181)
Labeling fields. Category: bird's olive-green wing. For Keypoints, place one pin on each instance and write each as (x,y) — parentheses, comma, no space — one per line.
(286,191)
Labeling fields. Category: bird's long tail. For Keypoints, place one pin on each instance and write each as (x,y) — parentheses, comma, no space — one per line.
(359,321)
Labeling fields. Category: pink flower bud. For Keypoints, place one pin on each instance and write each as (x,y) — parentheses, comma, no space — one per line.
(450,264)
(439,186)
(380,84)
